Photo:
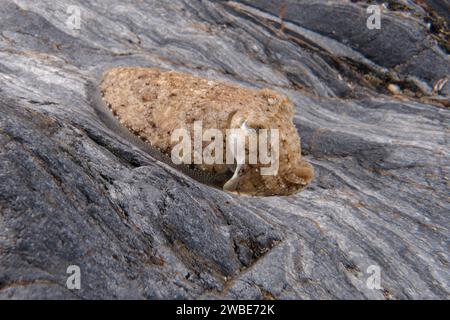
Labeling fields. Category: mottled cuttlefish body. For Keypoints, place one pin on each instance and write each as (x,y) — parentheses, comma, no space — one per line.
(153,103)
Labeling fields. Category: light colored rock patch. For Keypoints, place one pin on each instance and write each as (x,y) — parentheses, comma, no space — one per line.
(153,103)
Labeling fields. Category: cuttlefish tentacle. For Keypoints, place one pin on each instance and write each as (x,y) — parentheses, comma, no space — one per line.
(232,184)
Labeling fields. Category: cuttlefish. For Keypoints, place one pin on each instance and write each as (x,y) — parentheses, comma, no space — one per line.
(153,104)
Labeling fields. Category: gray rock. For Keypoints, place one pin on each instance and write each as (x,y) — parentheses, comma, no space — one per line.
(73,192)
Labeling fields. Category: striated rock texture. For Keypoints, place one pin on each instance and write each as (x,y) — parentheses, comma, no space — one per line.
(370,107)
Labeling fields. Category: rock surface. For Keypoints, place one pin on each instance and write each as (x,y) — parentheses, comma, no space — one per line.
(73,192)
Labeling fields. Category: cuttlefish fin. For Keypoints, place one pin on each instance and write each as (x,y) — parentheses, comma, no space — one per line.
(232,184)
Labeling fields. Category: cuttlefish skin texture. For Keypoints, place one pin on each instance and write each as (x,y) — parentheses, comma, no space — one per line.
(153,103)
